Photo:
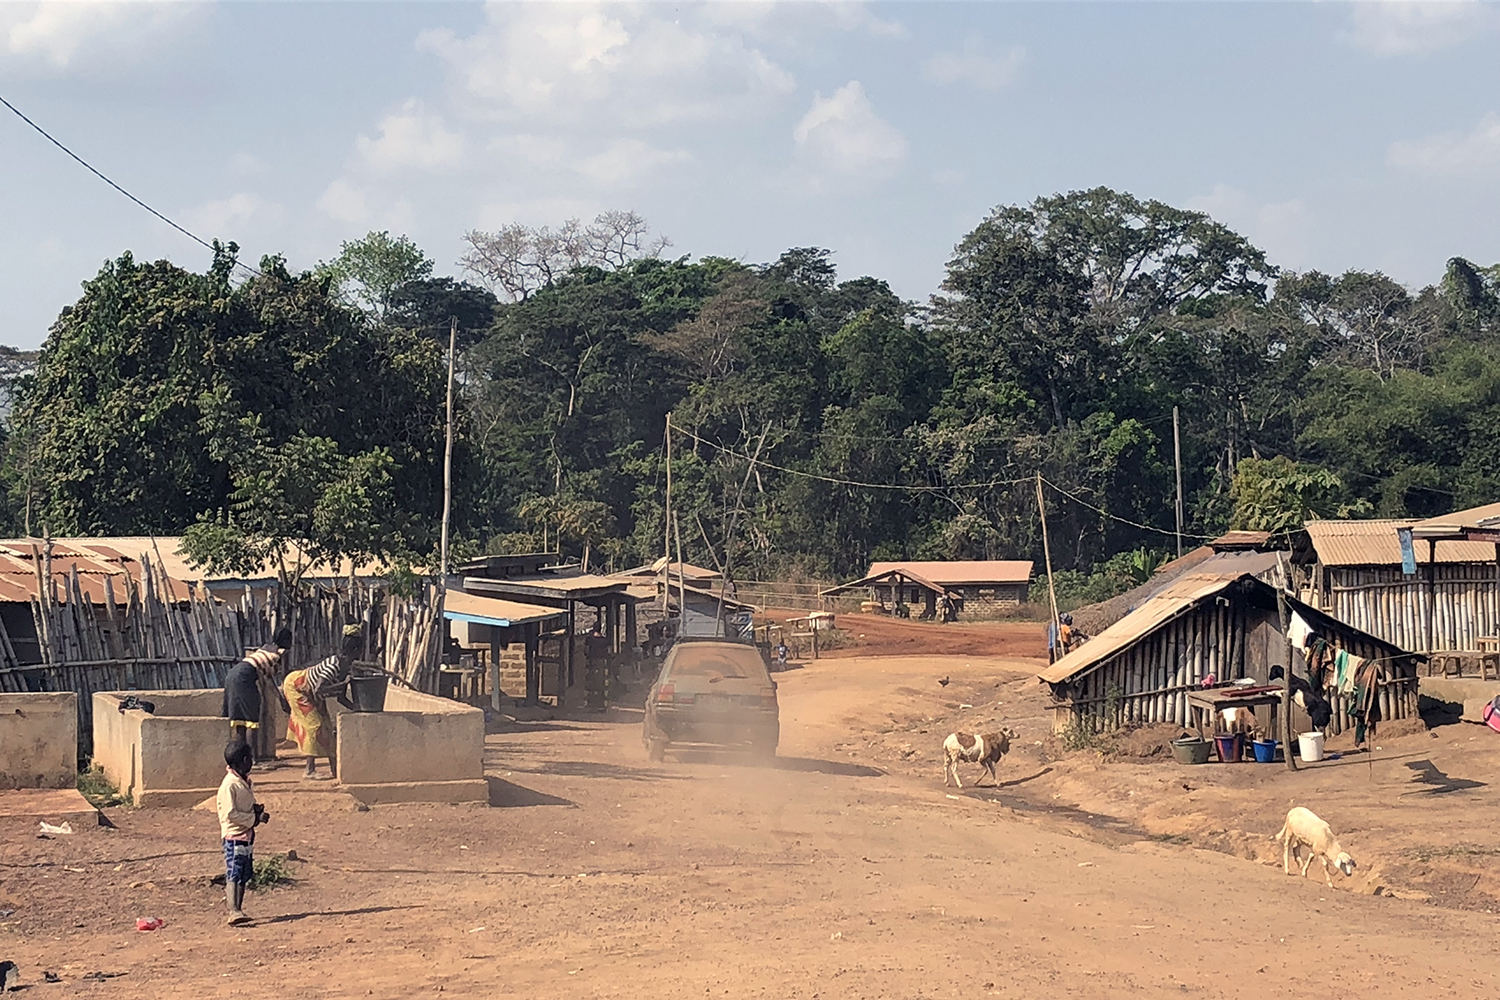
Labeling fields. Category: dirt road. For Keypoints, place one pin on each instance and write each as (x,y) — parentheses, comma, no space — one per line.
(598,874)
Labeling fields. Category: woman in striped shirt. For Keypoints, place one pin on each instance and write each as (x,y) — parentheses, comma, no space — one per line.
(308,723)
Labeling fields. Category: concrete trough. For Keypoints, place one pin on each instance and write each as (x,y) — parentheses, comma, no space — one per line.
(174,757)
(38,740)
(420,749)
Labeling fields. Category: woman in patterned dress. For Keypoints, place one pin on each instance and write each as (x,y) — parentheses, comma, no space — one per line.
(308,723)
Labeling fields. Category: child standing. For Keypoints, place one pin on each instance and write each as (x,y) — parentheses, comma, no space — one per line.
(239,815)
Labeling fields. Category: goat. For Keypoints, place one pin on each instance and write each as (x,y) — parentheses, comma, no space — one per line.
(1318,708)
(984,749)
(1239,720)
(1304,828)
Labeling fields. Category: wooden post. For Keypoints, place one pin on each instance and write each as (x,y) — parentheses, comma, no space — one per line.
(1047,554)
(666,528)
(1431,588)
(1286,690)
(681,582)
(448,458)
(1177,460)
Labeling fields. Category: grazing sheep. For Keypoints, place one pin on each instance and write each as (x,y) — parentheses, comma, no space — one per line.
(1304,828)
(984,749)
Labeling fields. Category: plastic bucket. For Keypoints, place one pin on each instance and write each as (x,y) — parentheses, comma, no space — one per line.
(1231,747)
(367,691)
(1265,751)
(1191,750)
(1310,746)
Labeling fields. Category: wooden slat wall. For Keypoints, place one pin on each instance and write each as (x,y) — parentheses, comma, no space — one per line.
(1387,604)
(141,640)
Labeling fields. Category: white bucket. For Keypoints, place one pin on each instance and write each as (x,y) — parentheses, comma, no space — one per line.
(1310,746)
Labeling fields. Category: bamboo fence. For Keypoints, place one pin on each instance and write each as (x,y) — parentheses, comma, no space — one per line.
(151,633)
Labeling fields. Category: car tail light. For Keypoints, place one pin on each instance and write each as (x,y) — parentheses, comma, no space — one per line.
(768,698)
(666,694)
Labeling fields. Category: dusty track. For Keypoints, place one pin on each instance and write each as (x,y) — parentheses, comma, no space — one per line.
(846,870)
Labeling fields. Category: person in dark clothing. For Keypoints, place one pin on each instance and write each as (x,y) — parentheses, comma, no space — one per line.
(242,697)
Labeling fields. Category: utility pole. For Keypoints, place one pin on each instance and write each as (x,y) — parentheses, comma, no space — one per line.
(1177,460)
(666,529)
(448,459)
(1041,507)
(1286,692)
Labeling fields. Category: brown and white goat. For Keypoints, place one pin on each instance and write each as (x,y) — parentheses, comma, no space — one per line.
(984,749)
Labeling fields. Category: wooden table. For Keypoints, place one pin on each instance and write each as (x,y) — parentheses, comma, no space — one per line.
(1489,656)
(1211,701)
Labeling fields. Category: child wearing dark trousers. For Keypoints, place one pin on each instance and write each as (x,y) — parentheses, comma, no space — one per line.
(239,815)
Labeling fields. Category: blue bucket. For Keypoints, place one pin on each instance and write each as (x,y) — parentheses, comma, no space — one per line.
(1265,751)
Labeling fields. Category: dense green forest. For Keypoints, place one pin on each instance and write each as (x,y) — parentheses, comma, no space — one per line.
(819,423)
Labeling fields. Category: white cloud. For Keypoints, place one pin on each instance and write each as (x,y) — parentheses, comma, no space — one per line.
(345,202)
(844,134)
(55,31)
(1416,27)
(567,61)
(976,67)
(411,138)
(626,162)
(1282,228)
(1450,152)
(215,218)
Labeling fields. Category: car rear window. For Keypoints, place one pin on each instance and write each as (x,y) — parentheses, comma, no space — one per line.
(723,661)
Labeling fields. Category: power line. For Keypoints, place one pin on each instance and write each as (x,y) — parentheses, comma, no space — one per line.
(90,168)
(847,482)
(1123,520)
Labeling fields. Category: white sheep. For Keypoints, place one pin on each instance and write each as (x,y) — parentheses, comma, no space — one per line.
(1304,828)
(984,749)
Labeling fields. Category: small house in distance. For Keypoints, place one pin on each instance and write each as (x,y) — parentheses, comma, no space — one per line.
(974,585)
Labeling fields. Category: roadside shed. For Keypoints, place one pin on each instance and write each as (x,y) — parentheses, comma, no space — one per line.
(1354,571)
(1140,669)
(557,655)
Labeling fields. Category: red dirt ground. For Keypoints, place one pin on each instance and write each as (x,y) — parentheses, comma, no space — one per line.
(844,870)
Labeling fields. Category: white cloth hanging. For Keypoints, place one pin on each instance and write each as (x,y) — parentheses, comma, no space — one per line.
(1299,632)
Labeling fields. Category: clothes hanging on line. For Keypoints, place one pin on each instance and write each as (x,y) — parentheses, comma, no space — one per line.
(1299,631)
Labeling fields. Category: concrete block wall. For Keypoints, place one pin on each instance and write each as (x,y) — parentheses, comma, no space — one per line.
(38,740)
(420,749)
(513,670)
(174,757)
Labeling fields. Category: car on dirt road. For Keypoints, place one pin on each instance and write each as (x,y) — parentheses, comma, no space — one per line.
(714,691)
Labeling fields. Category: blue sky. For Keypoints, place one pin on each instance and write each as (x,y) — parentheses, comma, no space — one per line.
(1335,136)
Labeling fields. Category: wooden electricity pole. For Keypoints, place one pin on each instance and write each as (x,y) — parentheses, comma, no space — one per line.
(666,529)
(448,460)
(1286,692)
(1177,460)
(1041,507)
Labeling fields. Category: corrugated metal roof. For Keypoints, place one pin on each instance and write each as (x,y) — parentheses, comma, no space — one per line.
(494,610)
(1484,518)
(1166,604)
(1175,599)
(1202,563)
(1241,540)
(959,573)
(1375,543)
(887,576)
